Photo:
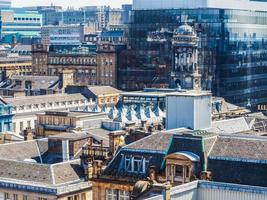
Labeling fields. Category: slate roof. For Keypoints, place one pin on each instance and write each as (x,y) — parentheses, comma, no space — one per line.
(43,174)
(229,126)
(24,150)
(69,136)
(21,47)
(100,134)
(10,169)
(38,82)
(67,172)
(158,142)
(241,147)
(30,100)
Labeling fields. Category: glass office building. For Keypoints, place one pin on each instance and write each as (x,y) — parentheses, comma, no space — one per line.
(232,47)
(5,3)
(19,23)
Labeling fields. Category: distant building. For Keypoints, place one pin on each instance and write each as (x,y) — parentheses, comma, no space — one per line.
(223,50)
(126,13)
(26,108)
(63,34)
(14,64)
(91,64)
(102,95)
(16,23)
(50,14)
(115,36)
(27,85)
(55,122)
(36,170)
(5,4)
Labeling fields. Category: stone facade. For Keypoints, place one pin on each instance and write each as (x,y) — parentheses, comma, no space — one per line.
(90,68)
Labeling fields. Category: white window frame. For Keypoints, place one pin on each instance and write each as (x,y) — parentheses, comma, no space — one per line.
(111,194)
(124,195)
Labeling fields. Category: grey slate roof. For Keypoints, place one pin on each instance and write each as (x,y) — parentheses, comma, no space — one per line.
(157,142)
(23,150)
(25,171)
(30,100)
(70,136)
(229,126)
(43,174)
(100,134)
(241,147)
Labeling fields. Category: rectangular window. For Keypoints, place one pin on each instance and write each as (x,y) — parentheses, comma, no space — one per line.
(21,126)
(15,197)
(41,198)
(128,165)
(124,195)
(83,196)
(14,127)
(28,123)
(111,194)
(178,170)
(7,197)
(136,164)
(70,198)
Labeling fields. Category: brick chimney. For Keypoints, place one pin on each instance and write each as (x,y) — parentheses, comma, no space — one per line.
(28,135)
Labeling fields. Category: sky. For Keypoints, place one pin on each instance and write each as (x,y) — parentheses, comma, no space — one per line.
(66,3)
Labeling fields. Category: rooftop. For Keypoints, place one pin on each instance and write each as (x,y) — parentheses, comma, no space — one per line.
(69,136)
(103,90)
(30,100)
(41,174)
(246,148)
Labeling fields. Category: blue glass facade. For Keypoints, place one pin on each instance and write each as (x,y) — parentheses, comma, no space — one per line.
(5,116)
(232,56)
(19,23)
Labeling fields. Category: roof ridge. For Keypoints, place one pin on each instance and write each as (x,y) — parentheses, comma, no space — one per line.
(244,137)
(65,162)
(52,174)
(25,162)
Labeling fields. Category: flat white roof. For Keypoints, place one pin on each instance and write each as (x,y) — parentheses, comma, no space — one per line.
(194,4)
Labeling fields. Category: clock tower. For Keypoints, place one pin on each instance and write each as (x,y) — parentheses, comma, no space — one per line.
(185,72)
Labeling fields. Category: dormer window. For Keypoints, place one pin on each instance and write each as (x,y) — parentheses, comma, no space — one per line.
(136,164)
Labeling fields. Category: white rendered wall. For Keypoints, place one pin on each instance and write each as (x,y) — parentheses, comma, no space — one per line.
(192,112)
(176,4)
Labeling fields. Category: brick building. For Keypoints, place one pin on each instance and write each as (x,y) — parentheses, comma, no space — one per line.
(91,64)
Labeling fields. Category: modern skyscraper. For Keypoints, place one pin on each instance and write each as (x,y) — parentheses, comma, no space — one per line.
(232,46)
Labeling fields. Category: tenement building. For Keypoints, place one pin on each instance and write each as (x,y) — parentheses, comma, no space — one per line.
(91,64)
(14,64)
(232,47)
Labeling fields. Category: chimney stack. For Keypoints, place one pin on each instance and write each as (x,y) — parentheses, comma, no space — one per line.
(28,134)
(116,140)
(97,168)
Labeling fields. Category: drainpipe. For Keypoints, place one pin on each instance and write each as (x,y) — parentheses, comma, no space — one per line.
(204,155)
